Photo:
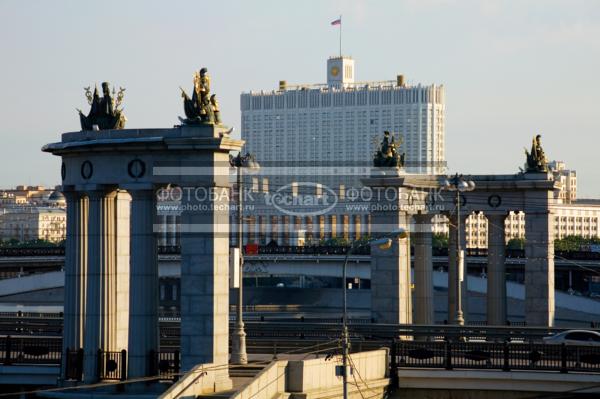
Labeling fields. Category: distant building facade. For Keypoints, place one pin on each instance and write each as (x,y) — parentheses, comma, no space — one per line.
(312,139)
(572,216)
(32,213)
(33,223)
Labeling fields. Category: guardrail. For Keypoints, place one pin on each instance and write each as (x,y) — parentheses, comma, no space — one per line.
(496,356)
(112,365)
(29,350)
(265,326)
(306,250)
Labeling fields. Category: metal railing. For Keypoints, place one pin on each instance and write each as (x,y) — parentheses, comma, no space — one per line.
(29,350)
(307,250)
(74,364)
(504,356)
(112,365)
(165,364)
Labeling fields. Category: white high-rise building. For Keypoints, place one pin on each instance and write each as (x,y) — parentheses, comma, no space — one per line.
(343,120)
(327,134)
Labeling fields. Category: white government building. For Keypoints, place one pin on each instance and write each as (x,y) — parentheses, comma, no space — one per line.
(327,134)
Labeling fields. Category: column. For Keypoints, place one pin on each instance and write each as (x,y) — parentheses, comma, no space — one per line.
(391,300)
(332,228)
(108,278)
(93,331)
(143,304)
(233,226)
(84,206)
(268,229)
(316,229)
(122,249)
(291,224)
(539,264)
(205,280)
(423,270)
(496,270)
(162,230)
(177,230)
(280,226)
(72,290)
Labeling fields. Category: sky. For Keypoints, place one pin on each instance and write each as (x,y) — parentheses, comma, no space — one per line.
(511,69)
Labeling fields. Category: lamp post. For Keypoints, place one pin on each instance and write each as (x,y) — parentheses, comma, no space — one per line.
(459,184)
(238,341)
(385,242)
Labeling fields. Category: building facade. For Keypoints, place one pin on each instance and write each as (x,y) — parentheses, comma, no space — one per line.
(321,138)
(33,223)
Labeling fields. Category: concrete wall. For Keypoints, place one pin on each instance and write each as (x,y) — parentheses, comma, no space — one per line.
(199,380)
(467,384)
(268,384)
(318,374)
(315,378)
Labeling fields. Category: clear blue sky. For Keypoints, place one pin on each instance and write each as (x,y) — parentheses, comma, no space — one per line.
(511,69)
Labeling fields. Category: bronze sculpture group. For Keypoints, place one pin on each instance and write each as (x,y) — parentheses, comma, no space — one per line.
(536,159)
(104,111)
(387,154)
(202,107)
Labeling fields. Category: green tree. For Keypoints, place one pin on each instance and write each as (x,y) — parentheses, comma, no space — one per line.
(439,240)
(516,243)
(573,243)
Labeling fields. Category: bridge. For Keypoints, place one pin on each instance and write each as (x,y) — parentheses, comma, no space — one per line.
(438,354)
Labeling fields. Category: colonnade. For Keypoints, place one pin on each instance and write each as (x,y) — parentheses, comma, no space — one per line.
(111,277)
(284,229)
(496,196)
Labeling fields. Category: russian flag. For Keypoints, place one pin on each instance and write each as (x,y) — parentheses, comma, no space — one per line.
(337,22)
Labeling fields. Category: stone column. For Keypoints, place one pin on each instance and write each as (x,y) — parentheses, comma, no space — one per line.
(316,229)
(84,206)
(453,267)
(205,279)
(539,266)
(122,248)
(423,270)
(177,230)
(390,272)
(496,270)
(233,234)
(143,274)
(72,290)
(267,229)
(108,278)
(94,323)
(162,230)
(279,221)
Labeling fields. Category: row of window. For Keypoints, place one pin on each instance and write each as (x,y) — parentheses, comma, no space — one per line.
(317,98)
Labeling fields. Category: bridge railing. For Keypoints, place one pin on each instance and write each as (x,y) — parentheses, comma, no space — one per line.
(30,350)
(112,365)
(165,364)
(496,356)
(74,364)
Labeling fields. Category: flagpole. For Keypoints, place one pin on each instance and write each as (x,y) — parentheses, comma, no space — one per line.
(340,36)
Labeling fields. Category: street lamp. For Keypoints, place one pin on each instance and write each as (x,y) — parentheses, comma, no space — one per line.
(459,184)
(238,339)
(385,242)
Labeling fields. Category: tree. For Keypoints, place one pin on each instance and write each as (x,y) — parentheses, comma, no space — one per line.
(439,240)
(516,243)
(573,243)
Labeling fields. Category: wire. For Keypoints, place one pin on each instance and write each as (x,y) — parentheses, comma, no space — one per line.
(154,378)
